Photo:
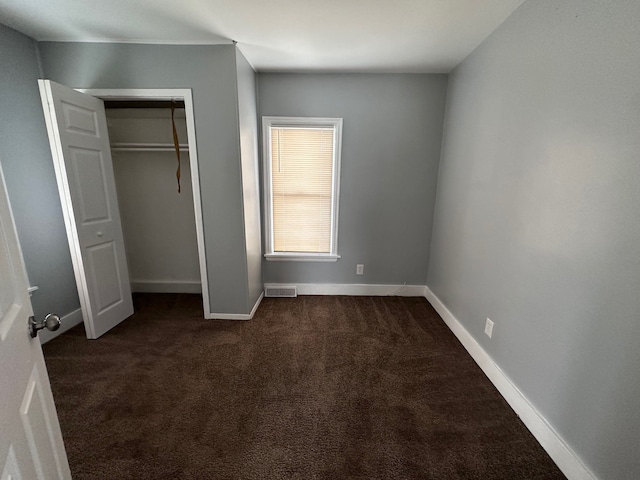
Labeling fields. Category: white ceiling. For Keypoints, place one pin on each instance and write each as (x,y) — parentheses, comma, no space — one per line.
(280,35)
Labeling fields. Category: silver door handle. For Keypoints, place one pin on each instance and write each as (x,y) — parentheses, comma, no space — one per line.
(51,322)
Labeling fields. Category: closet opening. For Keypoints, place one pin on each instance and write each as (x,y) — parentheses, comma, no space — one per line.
(162,227)
(158,220)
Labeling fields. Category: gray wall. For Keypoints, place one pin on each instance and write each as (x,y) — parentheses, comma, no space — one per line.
(390,151)
(28,168)
(538,217)
(248,125)
(211,74)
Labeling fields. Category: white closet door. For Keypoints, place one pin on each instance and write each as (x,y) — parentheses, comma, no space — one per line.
(79,141)
(31,444)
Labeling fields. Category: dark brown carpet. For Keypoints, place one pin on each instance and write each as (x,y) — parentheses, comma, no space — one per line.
(311,388)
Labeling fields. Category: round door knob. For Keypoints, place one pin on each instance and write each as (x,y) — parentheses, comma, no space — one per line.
(52,322)
(99,234)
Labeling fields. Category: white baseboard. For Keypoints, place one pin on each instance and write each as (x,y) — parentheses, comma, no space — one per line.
(168,286)
(67,322)
(330,289)
(236,316)
(566,459)
(353,289)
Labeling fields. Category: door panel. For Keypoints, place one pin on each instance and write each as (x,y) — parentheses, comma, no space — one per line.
(11,470)
(79,140)
(37,426)
(106,278)
(79,120)
(91,194)
(31,444)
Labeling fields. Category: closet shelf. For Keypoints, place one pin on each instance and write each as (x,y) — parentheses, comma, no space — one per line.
(147,147)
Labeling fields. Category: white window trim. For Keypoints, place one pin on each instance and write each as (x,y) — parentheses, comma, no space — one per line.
(267,123)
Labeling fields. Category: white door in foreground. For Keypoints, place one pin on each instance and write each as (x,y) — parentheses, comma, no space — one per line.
(30,440)
(79,140)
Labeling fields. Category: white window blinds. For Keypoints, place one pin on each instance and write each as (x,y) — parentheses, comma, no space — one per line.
(302,179)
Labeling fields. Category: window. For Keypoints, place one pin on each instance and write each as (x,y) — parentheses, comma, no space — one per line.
(301,176)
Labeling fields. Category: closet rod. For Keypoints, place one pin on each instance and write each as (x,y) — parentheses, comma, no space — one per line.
(147,147)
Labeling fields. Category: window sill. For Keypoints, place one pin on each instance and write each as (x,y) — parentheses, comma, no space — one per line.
(301,257)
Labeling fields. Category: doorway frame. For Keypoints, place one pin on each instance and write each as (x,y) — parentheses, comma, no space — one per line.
(168,94)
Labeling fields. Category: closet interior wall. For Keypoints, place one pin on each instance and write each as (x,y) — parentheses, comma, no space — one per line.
(158,222)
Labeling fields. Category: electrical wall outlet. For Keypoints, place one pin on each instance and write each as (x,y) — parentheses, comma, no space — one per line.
(360,269)
(488,327)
